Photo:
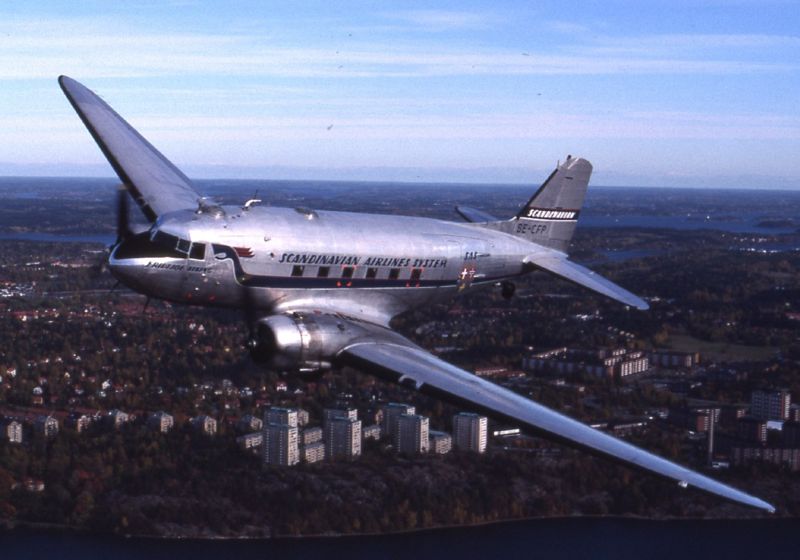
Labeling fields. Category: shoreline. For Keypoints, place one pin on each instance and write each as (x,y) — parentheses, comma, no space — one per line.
(20,527)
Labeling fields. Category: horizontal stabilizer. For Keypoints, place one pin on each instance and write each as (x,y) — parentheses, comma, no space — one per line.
(155,183)
(473,215)
(564,268)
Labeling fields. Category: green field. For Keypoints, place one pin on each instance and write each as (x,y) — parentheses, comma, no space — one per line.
(720,351)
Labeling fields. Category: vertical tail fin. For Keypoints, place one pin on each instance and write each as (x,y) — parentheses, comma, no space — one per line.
(551,214)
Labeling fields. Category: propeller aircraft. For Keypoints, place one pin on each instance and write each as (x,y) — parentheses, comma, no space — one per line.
(320,288)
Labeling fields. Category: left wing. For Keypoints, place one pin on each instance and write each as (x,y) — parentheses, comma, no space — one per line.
(397,359)
(153,181)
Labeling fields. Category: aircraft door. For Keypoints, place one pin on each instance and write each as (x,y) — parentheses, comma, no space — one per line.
(198,276)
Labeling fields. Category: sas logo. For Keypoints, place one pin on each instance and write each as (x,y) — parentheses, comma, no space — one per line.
(551,214)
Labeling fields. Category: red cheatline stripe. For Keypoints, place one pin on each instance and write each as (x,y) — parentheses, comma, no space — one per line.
(245,252)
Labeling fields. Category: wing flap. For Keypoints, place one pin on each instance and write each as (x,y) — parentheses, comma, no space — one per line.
(153,181)
(564,268)
(401,361)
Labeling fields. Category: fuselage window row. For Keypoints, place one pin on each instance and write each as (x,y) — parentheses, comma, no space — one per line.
(349,272)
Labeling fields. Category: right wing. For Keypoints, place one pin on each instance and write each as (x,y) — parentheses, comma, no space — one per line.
(397,359)
(153,181)
(473,215)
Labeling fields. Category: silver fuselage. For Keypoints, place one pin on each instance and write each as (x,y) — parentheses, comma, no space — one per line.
(283,259)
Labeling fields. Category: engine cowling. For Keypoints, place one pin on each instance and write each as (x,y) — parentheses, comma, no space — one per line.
(302,341)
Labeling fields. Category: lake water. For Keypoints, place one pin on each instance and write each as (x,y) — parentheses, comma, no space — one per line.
(104,238)
(619,539)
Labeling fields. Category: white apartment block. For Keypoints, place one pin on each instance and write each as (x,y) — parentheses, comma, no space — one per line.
(46,425)
(469,432)
(310,435)
(333,413)
(207,425)
(411,434)
(250,441)
(81,423)
(302,417)
(343,438)
(283,416)
(313,452)
(279,445)
(161,421)
(373,431)
(440,442)
(391,412)
(250,423)
(118,418)
(14,432)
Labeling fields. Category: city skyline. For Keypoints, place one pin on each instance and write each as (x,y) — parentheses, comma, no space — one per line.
(667,94)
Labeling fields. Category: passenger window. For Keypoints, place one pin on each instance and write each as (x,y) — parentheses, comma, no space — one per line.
(297,270)
(347,272)
(372,272)
(394,274)
(415,274)
(198,251)
(323,271)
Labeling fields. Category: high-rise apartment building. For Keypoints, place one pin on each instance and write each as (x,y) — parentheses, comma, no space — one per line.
(391,412)
(279,445)
(283,416)
(342,438)
(469,432)
(770,405)
(411,434)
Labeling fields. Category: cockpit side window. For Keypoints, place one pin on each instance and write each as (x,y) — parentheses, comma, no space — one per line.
(183,246)
(198,251)
(172,246)
(165,240)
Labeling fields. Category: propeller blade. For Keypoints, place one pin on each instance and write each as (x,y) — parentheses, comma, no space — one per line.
(123,225)
(250,314)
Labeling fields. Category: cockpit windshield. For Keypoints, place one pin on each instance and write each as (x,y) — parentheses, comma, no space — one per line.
(158,244)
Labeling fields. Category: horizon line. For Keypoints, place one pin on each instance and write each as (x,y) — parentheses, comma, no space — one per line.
(454,183)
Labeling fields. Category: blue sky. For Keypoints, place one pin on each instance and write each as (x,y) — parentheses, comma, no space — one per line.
(679,93)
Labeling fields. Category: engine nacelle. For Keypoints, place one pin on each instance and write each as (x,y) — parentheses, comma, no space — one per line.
(302,341)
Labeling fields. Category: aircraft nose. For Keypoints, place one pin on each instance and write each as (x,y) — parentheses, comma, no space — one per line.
(125,265)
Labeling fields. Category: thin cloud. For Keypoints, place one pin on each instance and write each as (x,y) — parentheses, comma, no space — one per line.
(32,50)
(567,27)
(731,46)
(445,20)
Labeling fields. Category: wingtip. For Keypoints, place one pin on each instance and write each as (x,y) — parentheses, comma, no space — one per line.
(65,82)
(769,508)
